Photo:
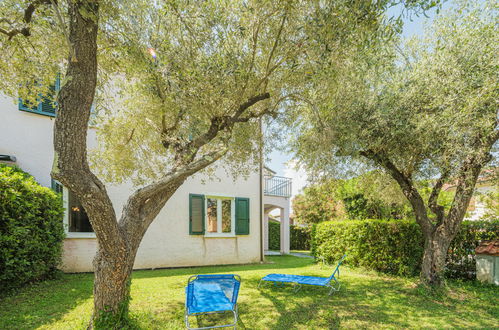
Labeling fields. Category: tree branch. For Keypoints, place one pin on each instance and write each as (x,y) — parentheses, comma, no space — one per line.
(28,15)
(433,205)
(467,178)
(186,153)
(71,127)
(145,204)
(410,192)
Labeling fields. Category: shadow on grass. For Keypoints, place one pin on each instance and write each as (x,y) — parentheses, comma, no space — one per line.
(314,313)
(378,303)
(45,302)
(366,300)
(273,263)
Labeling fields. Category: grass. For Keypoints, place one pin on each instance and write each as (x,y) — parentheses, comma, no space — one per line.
(366,300)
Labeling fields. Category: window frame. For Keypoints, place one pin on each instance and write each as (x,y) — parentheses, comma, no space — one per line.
(219,232)
(71,234)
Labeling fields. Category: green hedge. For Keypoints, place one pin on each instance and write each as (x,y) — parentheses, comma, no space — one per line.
(274,235)
(461,261)
(300,237)
(396,247)
(31,229)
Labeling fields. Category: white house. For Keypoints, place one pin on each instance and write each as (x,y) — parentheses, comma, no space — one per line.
(216,222)
(486,184)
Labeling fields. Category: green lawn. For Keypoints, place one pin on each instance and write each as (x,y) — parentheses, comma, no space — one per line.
(367,300)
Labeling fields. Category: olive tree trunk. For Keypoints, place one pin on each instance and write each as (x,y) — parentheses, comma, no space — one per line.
(435,253)
(118,239)
(112,282)
(439,229)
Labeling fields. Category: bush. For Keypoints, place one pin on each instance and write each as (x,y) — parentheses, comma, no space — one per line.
(31,229)
(299,237)
(461,261)
(396,247)
(274,235)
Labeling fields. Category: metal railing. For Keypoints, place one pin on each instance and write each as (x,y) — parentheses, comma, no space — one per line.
(277,186)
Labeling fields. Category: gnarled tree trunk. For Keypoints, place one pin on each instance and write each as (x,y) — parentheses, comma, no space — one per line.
(439,230)
(119,240)
(435,253)
(112,283)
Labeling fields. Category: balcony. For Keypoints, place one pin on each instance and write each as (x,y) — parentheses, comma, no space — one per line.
(277,186)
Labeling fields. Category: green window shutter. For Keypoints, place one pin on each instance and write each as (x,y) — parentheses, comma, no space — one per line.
(196,214)
(242,216)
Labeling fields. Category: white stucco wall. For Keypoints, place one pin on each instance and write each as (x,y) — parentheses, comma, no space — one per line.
(167,243)
(480,208)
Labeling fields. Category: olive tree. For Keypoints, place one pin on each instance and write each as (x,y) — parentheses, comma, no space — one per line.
(213,68)
(424,110)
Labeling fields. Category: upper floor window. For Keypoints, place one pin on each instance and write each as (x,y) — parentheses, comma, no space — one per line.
(46,104)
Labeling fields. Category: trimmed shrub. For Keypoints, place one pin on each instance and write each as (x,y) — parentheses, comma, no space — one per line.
(274,235)
(299,237)
(31,229)
(461,261)
(396,247)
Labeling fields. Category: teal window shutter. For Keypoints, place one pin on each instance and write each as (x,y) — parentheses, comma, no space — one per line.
(46,106)
(196,214)
(242,216)
(56,186)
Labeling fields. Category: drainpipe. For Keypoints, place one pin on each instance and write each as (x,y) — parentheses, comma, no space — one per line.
(262,255)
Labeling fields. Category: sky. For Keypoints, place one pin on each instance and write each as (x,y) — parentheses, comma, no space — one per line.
(283,163)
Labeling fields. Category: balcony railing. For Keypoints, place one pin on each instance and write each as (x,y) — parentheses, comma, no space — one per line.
(277,186)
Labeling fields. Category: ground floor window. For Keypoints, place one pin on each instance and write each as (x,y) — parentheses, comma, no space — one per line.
(75,218)
(218,216)
(78,221)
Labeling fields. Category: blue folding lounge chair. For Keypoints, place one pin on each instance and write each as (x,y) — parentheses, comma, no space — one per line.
(329,282)
(208,294)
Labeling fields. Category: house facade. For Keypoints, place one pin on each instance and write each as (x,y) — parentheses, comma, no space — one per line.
(210,220)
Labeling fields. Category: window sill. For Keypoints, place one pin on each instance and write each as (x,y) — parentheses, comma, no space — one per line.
(47,114)
(229,235)
(80,235)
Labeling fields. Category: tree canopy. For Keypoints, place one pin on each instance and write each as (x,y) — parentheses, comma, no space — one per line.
(425,105)
(177,85)
(424,109)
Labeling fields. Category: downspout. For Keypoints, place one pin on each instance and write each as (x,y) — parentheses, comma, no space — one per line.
(262,255)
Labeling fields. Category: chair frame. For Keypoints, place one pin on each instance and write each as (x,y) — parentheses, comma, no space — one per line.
(234,310)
